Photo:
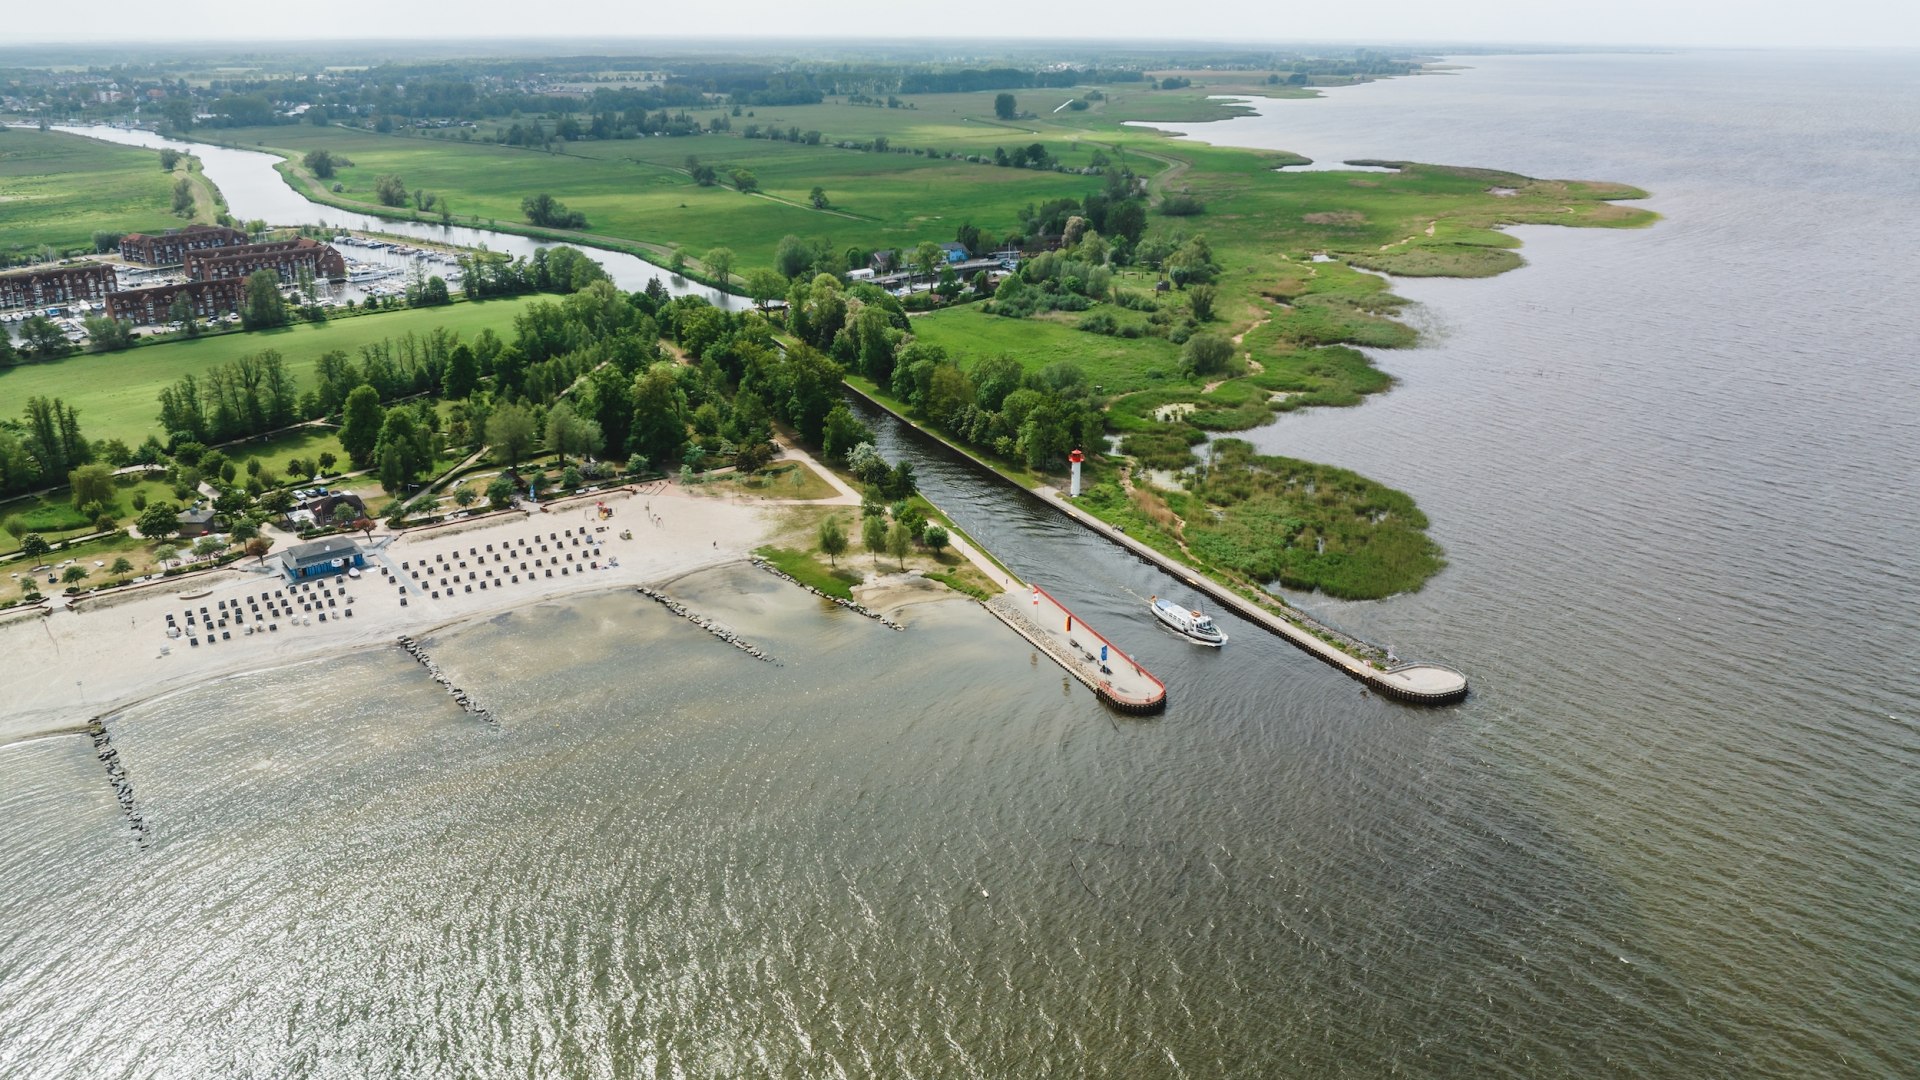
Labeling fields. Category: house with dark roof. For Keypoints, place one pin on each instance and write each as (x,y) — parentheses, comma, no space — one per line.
(194,522)
(332,555)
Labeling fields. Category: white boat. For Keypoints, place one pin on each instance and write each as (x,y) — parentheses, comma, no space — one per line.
(1188,623)
(353,572)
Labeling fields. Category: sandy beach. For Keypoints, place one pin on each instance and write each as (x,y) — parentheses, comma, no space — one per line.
(114,651)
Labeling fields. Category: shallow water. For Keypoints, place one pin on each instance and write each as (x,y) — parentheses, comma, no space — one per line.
(1671,834)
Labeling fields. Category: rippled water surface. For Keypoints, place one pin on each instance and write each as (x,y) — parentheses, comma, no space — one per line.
(1673,833)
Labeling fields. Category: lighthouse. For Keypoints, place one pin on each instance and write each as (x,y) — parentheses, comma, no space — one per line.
(1075,458)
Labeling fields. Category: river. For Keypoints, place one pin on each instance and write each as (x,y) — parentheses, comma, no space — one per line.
(1671,834)
(253,190)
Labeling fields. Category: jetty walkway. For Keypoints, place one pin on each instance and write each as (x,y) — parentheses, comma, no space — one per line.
(1420,683)
(1083,651)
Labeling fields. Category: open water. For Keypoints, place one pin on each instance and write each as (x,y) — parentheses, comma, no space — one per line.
(1672,834)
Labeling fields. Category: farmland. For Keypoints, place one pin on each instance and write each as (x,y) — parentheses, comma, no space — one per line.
(57,190)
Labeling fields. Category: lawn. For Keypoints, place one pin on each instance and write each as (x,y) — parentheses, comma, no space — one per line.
(54,517)
(117,393)
(1117,364)
(57,190)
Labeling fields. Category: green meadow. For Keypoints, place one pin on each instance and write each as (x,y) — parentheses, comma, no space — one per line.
(57,190)
(117,394)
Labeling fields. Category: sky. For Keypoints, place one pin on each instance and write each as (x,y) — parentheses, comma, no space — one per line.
(1744,23)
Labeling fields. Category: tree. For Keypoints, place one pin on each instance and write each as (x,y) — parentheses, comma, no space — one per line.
(462,374)
(34,546)
(500,492)
(764,285)
(464,496)
(569,433)
(510,431)
(107,334)
(320,163)
(360,423)
(91,483)
(899,542)
(165,554)
(207,547)
(44,337)
(1004,106)
(1200,299)
(819,198)
(278,502)
(326,461)
(792,256)
(936,538)
(390,190)
(362,524)
(121,567)
(833,539)
(1207,354)
(259,546)
(873,534)
(543,209)
(720,261)
(183,197)
(404,448)
(169,157)
(264,306)
(928,257)
(74,575)
(159,521)
(744,180)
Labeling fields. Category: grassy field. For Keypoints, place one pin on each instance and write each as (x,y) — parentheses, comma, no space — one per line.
(57,190)
(117,393)
(638,190)
(1118,364)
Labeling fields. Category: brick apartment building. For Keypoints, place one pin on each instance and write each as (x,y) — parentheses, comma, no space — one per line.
(288,257)
(171,248)
(155,305)
(64,284)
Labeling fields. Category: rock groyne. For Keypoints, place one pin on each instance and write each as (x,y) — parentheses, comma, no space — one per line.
(117,776)
(460,697)
(704,623)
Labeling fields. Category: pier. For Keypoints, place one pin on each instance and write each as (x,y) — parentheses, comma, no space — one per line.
(1084,652)
(1418,683)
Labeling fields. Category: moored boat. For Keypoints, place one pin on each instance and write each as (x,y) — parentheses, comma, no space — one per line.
(1188,623)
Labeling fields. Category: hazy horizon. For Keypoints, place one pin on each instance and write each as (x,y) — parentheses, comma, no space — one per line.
(1503,24)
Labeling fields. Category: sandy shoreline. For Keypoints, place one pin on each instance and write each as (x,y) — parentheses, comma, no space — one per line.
(71,666)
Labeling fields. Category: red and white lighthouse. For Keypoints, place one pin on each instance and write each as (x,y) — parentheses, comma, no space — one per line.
(1073,491)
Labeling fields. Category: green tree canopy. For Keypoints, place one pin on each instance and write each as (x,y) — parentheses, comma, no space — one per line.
(360,423)
(833,538)
(264,306)
(510,431)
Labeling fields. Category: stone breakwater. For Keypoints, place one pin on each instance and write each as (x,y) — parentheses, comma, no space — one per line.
(460,697)
(705,623)
(117,776)
(848,604)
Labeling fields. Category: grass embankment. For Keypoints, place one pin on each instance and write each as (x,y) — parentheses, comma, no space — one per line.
(117,394)
(57,190)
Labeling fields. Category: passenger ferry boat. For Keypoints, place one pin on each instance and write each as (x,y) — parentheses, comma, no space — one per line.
(1188,623)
